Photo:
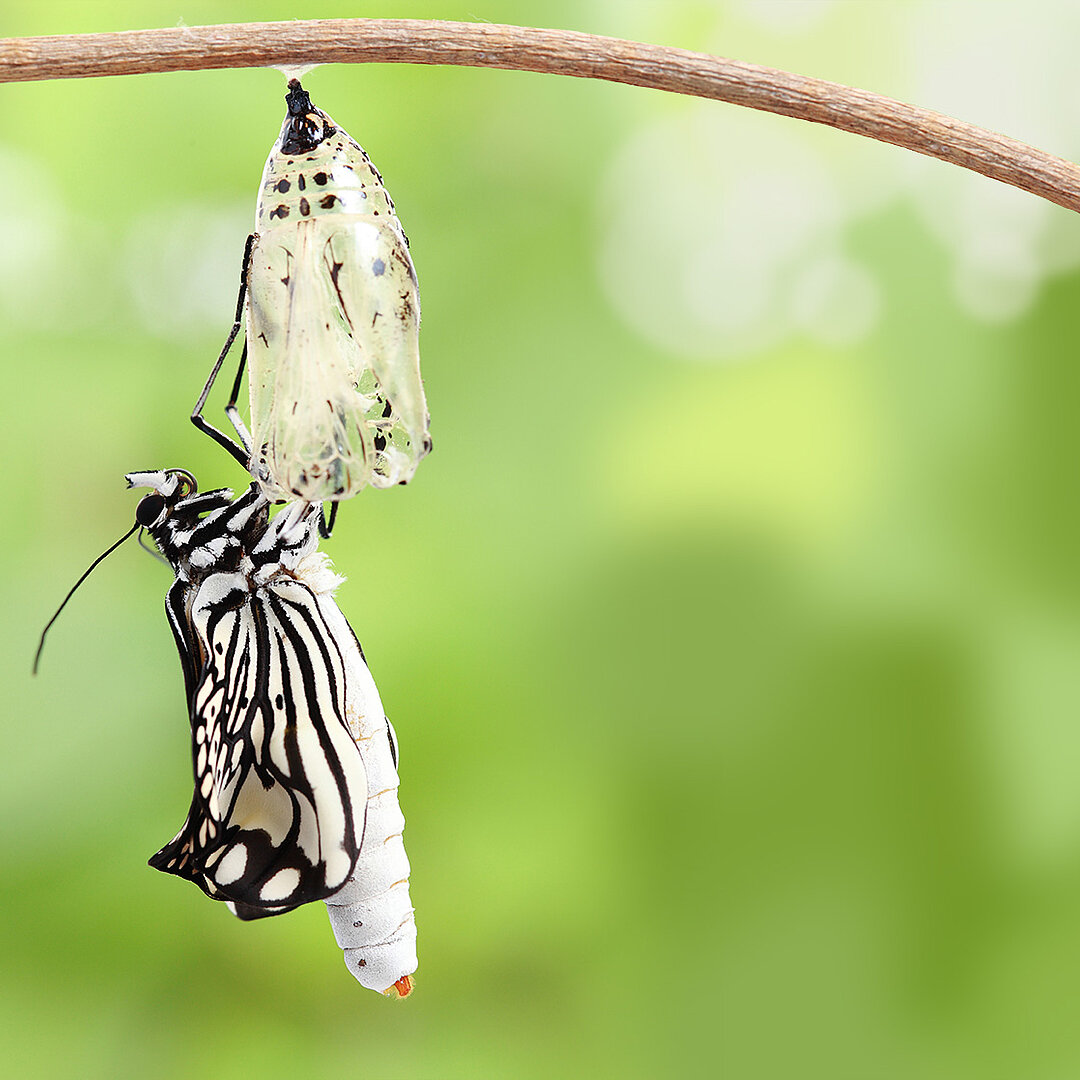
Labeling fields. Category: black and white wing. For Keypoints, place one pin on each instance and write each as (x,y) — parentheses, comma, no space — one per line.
(277,817)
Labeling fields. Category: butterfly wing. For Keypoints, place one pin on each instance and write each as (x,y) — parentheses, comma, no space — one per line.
(277,816)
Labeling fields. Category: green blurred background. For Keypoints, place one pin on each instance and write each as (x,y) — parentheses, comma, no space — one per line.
(730,632)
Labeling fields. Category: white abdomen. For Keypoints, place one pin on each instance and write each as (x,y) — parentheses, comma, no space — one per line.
(372,915)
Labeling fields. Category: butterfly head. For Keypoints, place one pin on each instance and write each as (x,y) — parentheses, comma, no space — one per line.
(168,487)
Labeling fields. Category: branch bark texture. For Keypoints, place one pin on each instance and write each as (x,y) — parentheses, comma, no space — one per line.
(555,52)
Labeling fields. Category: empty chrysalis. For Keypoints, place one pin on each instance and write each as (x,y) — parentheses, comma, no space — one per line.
(333,316)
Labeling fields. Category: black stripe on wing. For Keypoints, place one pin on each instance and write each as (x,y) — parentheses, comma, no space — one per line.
(277,815)
(187,643)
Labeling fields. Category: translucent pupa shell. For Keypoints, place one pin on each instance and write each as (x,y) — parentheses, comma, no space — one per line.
(333,317)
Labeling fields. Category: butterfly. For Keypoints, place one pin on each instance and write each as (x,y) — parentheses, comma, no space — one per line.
(294,760)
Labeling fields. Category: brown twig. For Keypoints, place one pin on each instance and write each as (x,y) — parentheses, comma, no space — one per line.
(556,52)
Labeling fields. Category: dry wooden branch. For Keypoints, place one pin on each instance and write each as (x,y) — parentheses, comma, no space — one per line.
(557,52)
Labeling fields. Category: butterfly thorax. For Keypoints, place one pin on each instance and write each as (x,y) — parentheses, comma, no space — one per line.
(210,533)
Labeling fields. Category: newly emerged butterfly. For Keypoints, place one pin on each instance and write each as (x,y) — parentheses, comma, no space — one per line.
(295,762)
(333,318)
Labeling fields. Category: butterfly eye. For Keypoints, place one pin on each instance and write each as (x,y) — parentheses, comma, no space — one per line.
(149,509)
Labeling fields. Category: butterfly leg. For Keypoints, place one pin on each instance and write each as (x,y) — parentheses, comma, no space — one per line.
(326,523)
(242,450)
(231,410)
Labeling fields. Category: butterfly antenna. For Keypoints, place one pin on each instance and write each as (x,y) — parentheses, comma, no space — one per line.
(41,643)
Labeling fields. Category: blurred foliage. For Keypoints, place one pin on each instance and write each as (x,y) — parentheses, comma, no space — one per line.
(737,700)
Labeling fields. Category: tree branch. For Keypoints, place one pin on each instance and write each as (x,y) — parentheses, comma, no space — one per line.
(555,52)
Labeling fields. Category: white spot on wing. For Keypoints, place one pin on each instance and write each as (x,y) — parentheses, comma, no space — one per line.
(232,865)
(281,886)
